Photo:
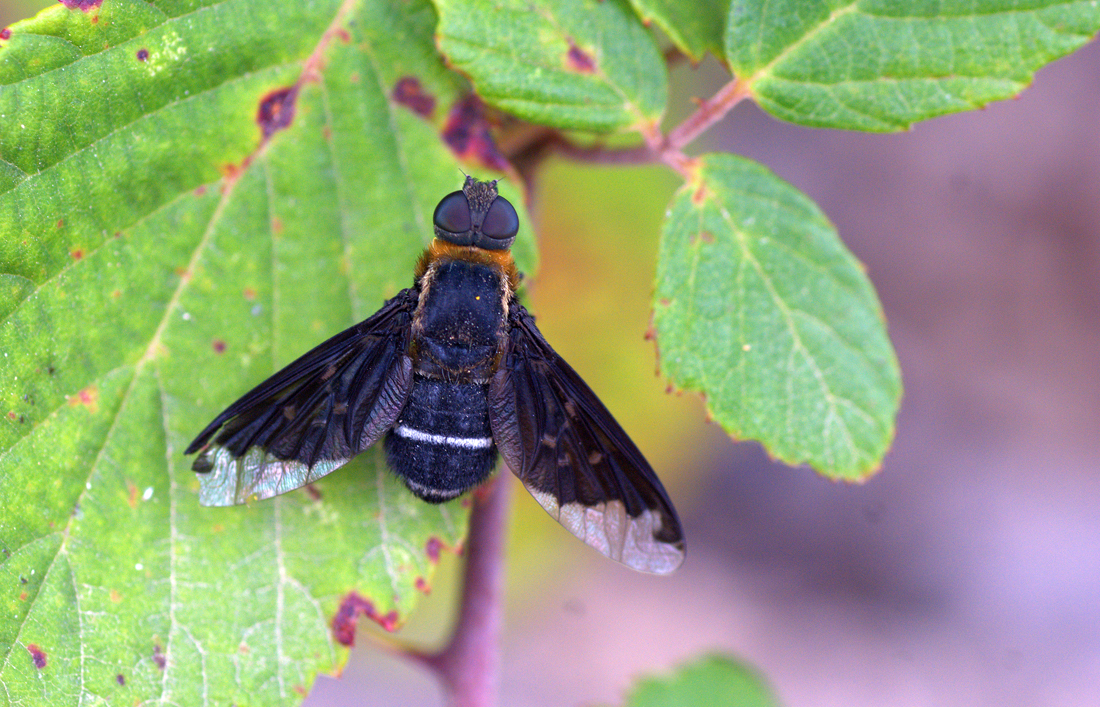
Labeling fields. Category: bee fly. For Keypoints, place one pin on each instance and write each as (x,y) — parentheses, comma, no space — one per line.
(449,372)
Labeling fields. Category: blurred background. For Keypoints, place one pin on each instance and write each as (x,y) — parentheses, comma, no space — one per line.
(967,572)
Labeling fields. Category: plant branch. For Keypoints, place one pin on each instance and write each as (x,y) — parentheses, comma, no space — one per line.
(658,146)
(470,662)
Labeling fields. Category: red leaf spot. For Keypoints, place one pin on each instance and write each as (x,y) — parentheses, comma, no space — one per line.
(5,33)
(347,616)
(200,190)
(422,585)
(37,655)
(467,134)
(343,35)
(120,679)
(409,93)
(143,54)
(219,346)
(77,254)
(700,195)
(115,294)
(249,294)
(132,495)
(705,236)
(579,60)
(82,5)
(88,397)
(665,302)
(22,596)
(433,547)
(276,224)
(243,649)
(276,110)
(300,690)
(115,596)
(184,274)
(158,657)
(326,133)
(12,415)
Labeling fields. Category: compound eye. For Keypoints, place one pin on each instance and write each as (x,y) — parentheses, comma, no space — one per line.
(502,221)
(452,215)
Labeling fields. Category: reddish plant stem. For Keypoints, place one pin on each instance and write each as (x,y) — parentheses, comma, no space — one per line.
(660,147)
(469,665)
(709,112)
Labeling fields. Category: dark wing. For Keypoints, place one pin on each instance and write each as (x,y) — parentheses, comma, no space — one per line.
(314,415)
(577,462)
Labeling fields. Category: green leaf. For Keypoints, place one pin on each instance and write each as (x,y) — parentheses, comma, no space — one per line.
(161,253)
(694,26)
(566,63)
(882,65)
(715,681)
(760,307)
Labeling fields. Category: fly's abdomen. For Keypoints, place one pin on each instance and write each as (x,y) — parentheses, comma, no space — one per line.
(442,445)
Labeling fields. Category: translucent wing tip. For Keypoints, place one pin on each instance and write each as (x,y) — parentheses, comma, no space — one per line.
(638,542)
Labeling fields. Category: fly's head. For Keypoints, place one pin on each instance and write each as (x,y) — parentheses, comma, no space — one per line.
(476,216)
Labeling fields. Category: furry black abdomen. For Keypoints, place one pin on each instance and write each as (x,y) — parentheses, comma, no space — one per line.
(442,444)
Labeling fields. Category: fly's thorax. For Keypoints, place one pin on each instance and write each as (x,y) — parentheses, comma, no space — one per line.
(459,325)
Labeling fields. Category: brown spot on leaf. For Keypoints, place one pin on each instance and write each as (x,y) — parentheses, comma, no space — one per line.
(576,59)
(37,655)
(422,585)
(314,492)
(231,172)
(218,345)
(131,494)
(347,616)
(115,596)
(143,54)
(249,294)
(276,224)
(409,93)
(700,195)
(300,690)
(704,236)
(12,415)
(60,223)
(88,397)
(200,190)
(276,110)
(467,134)
(82,5)
(159,657)
(433,547)
(23,596)
(120,679)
